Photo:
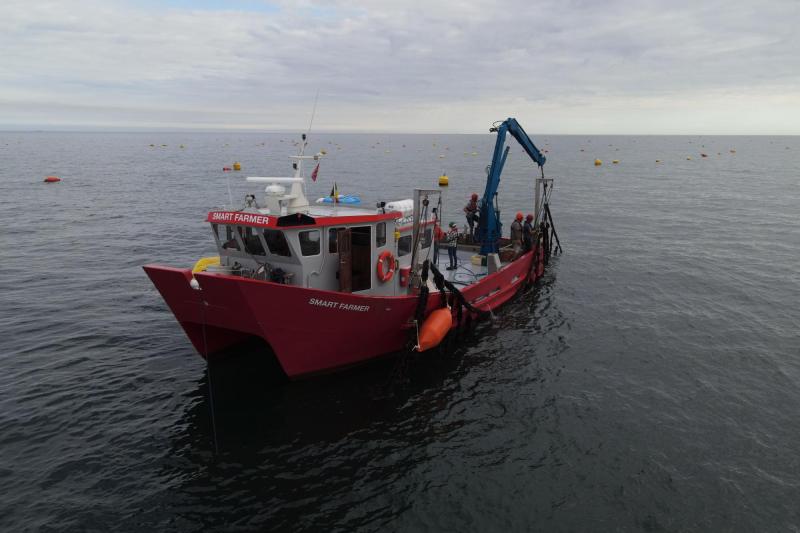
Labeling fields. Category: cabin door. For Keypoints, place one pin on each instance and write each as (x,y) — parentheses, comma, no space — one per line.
(344,245)
(361,246)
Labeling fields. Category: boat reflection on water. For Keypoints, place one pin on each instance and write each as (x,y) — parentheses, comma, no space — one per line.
(305,454)
(256,405)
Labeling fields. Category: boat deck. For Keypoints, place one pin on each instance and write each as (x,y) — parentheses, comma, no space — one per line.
(466,273)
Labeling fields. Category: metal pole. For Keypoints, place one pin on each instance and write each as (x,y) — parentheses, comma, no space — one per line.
(552,225)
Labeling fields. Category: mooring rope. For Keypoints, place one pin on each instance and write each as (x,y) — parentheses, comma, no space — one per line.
(210,383)
(441,283)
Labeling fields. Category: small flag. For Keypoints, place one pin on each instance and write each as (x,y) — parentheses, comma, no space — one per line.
(335,193)
(315,172)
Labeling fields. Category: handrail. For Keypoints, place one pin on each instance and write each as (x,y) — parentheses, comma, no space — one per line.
(264,179)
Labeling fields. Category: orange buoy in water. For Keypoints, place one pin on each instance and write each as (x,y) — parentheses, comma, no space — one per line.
(434,329)
(52,179)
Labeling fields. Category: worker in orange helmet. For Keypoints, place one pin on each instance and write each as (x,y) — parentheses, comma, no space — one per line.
(527,232)
(472,211)
(516,235)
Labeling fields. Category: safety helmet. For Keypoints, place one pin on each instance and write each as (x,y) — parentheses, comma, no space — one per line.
(519,216)
(453,224)
(529,217)
(474,196)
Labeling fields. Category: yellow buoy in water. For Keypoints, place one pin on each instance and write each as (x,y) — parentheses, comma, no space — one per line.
(237,166)
(616,161)
(444,181)
(597,162)
(689,158)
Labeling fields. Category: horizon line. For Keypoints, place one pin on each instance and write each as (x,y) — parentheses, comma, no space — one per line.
(366,132)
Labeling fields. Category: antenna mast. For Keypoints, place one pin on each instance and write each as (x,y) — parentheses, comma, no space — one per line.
(299,160)
(310,123)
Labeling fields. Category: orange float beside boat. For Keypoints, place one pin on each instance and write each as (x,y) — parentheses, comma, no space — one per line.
(434,329)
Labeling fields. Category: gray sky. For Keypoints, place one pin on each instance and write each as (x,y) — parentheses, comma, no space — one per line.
(560,66)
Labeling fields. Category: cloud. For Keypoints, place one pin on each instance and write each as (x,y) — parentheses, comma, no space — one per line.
(621,66)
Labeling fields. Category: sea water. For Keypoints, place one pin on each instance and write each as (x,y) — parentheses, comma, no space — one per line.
(650,381)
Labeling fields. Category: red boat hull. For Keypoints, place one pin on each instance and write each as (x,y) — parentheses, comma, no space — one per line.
(311,330)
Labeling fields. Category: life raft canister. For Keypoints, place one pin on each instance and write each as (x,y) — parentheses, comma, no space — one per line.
(385,273)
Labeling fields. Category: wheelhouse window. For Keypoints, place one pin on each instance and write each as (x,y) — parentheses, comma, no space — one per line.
(427,235)
(252,244)
(219,233)
(309,242)
(404,245)
(380,235)
(276,242)
(229,241)
(332,242)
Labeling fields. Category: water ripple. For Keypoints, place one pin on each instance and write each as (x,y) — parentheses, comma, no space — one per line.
(648,382)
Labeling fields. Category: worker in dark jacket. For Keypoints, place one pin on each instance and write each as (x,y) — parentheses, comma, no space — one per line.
(472,212)
(452,245)
(527,232)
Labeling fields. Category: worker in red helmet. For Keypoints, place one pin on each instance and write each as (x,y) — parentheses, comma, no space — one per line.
(527,232)
(472,211)
(516,235)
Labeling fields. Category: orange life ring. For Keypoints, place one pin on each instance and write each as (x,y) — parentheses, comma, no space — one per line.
(386,275)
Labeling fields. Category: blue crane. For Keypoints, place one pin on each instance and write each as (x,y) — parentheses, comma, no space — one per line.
(490,228)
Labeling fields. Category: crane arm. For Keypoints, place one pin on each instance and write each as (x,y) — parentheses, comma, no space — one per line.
(490,228)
